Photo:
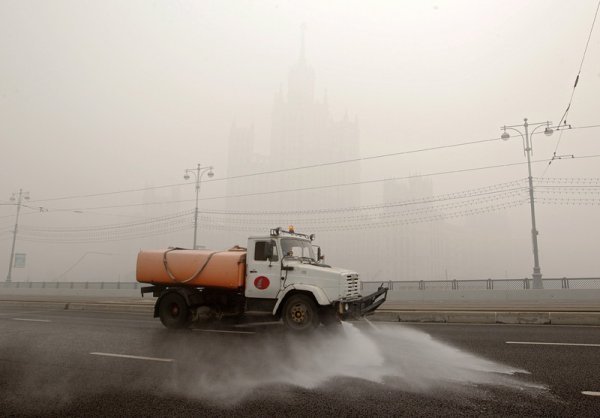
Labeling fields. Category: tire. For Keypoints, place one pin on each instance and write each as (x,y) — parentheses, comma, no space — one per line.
(173,311)
(300,313)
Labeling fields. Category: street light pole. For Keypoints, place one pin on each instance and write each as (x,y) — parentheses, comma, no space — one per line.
(528,149)
(198,172)
(19,198)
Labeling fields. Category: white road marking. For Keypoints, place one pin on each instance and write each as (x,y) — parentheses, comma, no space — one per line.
(31,320)
(223,331)
(586,392)
(19,313)
(542,343)
(166,360)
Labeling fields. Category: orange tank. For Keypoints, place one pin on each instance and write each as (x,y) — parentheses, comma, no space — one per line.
(223,269)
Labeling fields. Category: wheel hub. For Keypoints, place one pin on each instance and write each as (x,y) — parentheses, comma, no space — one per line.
(174,309)
(298,314)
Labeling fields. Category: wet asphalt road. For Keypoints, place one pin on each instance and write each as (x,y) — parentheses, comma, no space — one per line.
(47,369)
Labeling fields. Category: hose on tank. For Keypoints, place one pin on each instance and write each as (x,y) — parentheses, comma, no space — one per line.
(193,276)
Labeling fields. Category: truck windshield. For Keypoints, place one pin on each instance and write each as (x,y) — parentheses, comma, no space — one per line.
(297,248)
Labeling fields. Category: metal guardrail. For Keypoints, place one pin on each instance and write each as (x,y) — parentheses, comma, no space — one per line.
(71,285)
(487,284)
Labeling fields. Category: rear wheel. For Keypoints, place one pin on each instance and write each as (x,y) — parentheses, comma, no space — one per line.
(173,311)
(300,313)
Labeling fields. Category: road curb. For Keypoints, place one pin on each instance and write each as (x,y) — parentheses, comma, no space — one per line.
(575,318)
(119,307)
(489,317)
(37,304)
(82,306)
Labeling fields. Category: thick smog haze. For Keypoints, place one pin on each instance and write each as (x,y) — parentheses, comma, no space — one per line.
(108,96)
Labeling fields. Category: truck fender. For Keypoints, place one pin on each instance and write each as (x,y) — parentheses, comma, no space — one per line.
(316,291)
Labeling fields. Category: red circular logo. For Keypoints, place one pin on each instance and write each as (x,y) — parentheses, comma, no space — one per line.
(261,282)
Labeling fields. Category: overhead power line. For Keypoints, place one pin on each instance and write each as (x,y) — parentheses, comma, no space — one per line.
(433,174)
(563,118)
(311,166)
(161,224)
(305,167)
(323,187)
(283,170)
(587,43)
(384,221)
(350,226)
(465,194)
(406,212)
(141,223)
(488,190)
(62,237)
(300,189)
(553,191)
(419,215)
(109,238)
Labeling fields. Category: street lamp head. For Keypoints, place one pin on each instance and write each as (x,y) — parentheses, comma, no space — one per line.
(210,173)
(186,176)
(505,136)
(548,131)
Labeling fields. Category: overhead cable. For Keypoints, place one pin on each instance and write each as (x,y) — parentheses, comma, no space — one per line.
(563,118)
(439,173)
(372,157)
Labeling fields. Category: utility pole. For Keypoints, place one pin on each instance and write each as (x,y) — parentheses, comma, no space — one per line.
(528,150)
(198,172)
(19,198)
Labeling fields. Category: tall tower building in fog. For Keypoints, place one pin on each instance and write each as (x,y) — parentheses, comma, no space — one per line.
(303,132)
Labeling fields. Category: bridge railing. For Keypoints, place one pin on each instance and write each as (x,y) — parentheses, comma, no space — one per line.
(449,285)
(71,285)
(487,284)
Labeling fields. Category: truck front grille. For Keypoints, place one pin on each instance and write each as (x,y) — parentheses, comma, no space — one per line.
(352,286)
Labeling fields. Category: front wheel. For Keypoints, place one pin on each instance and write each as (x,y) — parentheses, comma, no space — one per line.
(173,311)
(300,313)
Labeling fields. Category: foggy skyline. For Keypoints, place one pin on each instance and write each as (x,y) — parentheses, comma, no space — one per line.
(108,96)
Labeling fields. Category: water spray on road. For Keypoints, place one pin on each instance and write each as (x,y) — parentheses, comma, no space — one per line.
(398,357)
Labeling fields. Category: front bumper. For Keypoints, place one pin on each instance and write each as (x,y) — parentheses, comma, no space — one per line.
(366,305)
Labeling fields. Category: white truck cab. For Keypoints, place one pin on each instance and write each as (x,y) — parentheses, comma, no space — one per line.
(285,266)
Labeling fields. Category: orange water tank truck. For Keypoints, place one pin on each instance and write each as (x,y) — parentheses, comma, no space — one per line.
(278,276)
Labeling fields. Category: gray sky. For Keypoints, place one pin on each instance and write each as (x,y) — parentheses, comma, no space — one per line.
(98,96)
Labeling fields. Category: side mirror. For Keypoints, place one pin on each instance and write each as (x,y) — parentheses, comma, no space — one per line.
(320,256)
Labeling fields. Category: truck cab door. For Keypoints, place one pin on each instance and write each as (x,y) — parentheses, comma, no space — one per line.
(263,272)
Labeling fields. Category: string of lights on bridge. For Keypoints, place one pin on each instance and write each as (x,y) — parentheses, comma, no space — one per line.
(492,198)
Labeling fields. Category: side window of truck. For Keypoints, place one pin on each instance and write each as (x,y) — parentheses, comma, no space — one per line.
(260,250)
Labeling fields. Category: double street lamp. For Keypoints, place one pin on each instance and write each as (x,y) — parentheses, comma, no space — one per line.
(198,172)
(528,149)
